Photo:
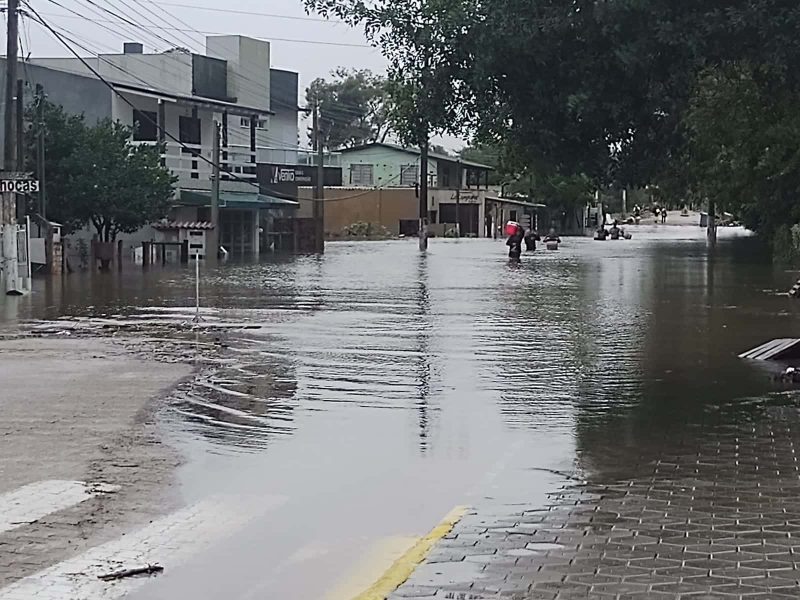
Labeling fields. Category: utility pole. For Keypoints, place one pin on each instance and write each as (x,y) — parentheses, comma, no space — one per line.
(460,178)
(12,31)
(212,252)
(8,208)
(40,150)
(423,190)
(319,189)
(711,231)
(624,203)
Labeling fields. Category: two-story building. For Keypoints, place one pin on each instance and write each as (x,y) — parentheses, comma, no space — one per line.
(175,98)
(457,189)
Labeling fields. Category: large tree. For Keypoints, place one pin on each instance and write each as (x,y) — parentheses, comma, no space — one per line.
(354,107)
(96,176)
(581,88)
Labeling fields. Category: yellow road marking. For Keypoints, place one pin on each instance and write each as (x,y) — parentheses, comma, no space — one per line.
(377,558)
(404,566)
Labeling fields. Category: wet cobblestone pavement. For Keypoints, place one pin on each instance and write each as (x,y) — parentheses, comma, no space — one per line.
(715,515)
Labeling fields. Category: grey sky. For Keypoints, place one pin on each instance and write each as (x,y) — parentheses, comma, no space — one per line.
(320,45)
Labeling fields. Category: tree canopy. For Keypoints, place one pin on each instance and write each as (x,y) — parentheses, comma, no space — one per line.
(623,93)
(354,107)
(96,176)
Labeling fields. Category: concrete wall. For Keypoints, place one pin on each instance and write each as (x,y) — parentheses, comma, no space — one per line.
(248,67)
(344,207)
(386,165)
(169,72)
(76,93)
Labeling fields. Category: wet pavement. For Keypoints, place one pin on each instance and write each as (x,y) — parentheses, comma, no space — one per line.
(587,405)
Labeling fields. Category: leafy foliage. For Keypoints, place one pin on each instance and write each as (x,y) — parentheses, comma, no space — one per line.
(424,66)
(354,107)
(96,176)
(743,147)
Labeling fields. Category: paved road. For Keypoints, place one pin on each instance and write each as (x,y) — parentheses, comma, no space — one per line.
(585,405)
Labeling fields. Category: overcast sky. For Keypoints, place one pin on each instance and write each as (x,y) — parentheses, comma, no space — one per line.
(300,42)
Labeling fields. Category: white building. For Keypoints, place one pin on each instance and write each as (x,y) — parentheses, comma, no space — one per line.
(175,98)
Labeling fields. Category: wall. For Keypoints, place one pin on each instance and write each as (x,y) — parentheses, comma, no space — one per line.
(77,94)
(387,163)
(170,72)
(248,67)
(344,207)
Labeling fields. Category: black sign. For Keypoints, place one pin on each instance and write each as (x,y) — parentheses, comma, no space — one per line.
(285,179)
(19,186)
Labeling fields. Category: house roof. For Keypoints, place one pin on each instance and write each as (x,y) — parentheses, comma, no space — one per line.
(221,105)
(416,152)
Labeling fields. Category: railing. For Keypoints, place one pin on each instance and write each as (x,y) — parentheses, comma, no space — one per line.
(193,162)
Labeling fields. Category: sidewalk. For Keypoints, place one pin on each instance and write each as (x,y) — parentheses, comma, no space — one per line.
(711,514)
(81,456)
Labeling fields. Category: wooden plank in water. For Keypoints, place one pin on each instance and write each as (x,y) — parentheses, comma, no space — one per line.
(776,349)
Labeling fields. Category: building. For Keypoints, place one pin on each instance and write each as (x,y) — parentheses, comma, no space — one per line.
(457,189)
(175,98)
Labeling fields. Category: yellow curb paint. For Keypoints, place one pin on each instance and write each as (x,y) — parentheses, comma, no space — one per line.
(377,559)
(404,566)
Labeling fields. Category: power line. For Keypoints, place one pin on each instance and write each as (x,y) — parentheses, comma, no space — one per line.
(249,13)
(255,89)
(162,129)
(270,39)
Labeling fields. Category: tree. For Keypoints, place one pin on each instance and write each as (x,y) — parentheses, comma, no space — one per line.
(413,35)
(354,107)
(743,147)
(96,176)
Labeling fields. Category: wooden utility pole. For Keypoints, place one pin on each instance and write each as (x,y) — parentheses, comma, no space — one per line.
(319,188)
(212,252)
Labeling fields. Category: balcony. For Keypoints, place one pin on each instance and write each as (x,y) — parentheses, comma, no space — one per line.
(192,163)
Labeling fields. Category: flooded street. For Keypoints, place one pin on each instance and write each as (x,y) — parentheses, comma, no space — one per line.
(380,388)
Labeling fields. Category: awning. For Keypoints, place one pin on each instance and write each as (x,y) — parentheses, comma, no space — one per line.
(245,200)
(232,108)
(516,202)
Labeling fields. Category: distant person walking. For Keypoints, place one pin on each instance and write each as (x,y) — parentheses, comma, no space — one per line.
(663,216)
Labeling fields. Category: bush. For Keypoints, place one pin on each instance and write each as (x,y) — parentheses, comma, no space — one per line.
(367,231)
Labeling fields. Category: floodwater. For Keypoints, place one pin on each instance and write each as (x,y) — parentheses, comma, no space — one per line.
(383,387)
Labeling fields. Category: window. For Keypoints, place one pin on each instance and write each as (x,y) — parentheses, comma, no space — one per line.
(145,128)
(361,174)
(260,123)
(409,174)
(512,216)
(189,130)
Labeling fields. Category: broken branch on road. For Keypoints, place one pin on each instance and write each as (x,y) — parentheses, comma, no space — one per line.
(148,570)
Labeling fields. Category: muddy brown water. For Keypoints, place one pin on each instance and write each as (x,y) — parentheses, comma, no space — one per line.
(384,387)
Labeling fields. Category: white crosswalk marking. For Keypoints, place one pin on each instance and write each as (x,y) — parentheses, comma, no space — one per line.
(168,542)
(32,502)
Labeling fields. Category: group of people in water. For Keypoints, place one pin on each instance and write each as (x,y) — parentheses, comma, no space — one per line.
(615,233)
(517,236)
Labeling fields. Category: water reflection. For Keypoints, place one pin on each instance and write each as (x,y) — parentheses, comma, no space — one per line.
(625,343)
(424,326)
